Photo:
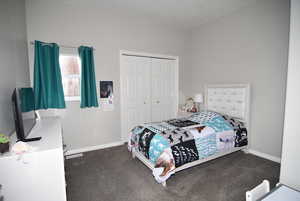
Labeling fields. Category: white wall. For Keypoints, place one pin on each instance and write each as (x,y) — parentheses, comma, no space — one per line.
(290,164)
(13,57)
(82,23)
(249,46)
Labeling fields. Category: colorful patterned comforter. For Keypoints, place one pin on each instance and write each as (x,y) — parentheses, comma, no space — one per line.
(175,142)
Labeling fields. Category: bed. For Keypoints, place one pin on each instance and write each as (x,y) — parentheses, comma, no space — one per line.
(176,144)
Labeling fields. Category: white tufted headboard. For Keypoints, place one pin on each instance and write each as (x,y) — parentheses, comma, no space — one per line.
(230,99)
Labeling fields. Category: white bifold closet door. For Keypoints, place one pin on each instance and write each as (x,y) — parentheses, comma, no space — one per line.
(148,90)
(137,99)
(163,89)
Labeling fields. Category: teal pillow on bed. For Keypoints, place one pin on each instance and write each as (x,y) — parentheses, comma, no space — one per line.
(219,124)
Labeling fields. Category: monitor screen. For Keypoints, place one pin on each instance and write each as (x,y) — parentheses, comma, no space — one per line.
(28,121)
(26,100)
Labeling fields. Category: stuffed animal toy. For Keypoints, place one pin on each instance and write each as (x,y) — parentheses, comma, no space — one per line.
(4,143)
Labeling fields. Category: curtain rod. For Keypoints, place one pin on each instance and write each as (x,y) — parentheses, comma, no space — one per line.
(63,46)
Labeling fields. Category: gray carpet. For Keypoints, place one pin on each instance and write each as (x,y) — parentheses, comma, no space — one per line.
(111,175)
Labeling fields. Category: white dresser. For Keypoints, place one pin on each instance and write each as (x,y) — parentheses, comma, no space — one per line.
(38,175)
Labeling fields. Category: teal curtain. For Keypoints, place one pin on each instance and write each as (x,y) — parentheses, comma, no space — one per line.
(88,83)
(48,87)
(27,99)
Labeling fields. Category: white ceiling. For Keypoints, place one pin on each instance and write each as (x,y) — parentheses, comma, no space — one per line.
(183,14)
(186,14)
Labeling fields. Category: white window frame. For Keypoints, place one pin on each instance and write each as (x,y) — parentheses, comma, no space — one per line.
(73,98)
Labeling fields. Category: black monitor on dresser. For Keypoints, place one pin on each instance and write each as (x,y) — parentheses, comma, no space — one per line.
(24,113)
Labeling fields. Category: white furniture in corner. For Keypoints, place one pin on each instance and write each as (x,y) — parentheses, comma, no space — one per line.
(281,193)
(259,191)
(290,159)
(38,175)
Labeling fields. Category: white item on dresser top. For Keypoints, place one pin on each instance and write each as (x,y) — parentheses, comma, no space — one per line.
(39,174)
(21,148)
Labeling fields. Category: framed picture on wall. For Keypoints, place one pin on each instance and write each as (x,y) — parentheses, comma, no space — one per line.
(106,95)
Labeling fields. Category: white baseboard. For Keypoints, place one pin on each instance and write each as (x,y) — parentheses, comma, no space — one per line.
(264,155)
(92,148)
(118,143)
(74,156)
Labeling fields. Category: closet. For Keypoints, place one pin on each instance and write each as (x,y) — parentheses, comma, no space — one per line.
(149,89)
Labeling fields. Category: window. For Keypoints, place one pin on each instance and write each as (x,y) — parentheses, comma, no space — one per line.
(70,72)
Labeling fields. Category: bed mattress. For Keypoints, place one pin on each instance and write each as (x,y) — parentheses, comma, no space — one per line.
(172,143)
